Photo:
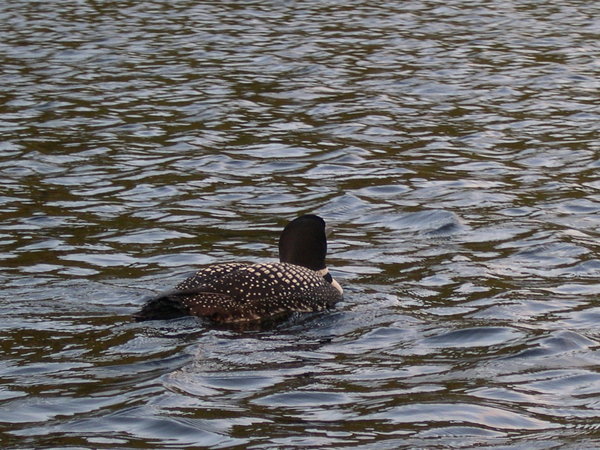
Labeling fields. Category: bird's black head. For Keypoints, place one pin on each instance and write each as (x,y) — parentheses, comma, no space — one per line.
(303,242)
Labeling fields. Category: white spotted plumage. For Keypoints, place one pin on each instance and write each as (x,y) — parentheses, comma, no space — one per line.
(236,292)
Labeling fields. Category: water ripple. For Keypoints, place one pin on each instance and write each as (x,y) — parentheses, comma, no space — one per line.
(452,148)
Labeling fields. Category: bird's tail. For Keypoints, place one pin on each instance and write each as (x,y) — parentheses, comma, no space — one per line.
(163,307)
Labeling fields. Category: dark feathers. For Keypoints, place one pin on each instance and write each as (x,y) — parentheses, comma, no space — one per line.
(235,292)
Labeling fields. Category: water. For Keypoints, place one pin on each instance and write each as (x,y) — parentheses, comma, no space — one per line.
(452,146)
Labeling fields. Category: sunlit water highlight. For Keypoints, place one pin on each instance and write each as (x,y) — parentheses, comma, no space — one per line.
(452,146)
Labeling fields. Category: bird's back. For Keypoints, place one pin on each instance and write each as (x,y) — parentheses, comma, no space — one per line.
(235,292)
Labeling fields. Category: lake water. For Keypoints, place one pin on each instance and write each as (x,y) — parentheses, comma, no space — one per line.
(452,146)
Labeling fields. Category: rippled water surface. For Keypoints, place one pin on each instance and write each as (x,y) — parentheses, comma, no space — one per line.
(452,146)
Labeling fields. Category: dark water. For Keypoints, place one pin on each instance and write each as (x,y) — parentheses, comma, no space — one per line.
(453,146)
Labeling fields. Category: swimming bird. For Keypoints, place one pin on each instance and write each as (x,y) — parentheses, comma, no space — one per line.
(238,292)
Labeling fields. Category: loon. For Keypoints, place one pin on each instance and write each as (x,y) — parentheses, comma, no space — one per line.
(237,292)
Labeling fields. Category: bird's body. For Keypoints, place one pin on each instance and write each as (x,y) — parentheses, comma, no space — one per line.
(237,292)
